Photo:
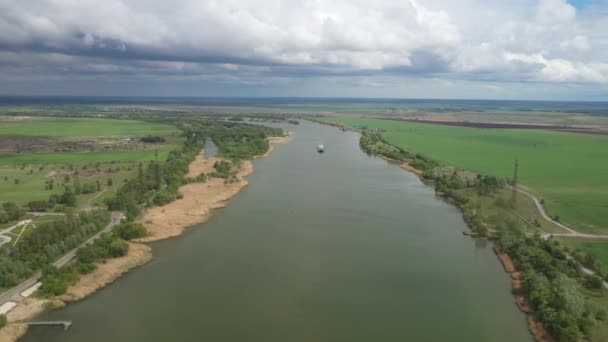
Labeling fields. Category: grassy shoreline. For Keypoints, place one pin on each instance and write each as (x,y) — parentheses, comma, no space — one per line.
(575,192)
(545,281)
(99,264)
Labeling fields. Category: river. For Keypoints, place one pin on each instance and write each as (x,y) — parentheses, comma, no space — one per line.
(337,246)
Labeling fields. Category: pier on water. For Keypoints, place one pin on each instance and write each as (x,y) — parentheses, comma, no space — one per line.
(66,324)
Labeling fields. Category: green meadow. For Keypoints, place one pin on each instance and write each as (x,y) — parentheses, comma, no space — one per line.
(23,176)
(569,171)
(79,127)
(82,157)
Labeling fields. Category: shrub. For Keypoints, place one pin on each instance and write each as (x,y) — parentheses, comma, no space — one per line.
(128,231)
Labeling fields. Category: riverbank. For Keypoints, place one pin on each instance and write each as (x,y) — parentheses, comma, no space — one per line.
(275,140)
(198,199)
(105,273)
(163,222)
(23,312)
(535,327)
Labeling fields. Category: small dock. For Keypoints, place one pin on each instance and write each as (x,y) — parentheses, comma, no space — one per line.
(66,324)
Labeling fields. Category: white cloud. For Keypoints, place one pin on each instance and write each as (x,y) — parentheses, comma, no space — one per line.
(243,41)
(578,44)
(560,70)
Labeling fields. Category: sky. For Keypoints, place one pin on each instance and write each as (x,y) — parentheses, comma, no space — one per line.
(471,49)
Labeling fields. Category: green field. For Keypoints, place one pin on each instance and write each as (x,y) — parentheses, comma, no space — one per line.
(597,247)
(570,171)
(82,158)
(31,186)
(79,127)
(23,175)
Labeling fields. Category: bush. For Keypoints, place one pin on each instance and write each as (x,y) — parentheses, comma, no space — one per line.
(41,205)
(3,320)
(153,140)
(128,231)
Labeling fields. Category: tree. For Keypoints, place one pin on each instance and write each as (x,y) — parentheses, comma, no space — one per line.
(68,197)
(3,320)
(128,231)
(109,182)
(13,211)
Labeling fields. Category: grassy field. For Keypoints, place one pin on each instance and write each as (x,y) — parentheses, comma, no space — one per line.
(82,158)
(79,127)
(23,176)
(31,186)
(568,170)
(597,247)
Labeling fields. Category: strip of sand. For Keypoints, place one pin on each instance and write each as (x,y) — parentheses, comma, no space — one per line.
(105,273)
(162,222)
(198,199)
(275,140)
(25,311)
(408,167)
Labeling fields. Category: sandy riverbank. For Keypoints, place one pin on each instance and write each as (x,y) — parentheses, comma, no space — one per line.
(162,222)
(198,199)
(275,140)
(25,311)
(105,273)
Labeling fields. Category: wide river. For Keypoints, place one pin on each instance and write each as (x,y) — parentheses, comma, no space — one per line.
(319,247)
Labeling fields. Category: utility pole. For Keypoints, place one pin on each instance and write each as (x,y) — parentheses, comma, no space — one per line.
(157,170)
(515,180)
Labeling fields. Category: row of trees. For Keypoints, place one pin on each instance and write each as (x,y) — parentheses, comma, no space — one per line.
(552,281)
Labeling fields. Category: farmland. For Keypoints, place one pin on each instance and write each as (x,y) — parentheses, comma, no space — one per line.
(568,170)
(78,127)
(93,153)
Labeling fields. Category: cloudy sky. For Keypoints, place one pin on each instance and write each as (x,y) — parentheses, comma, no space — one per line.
(488,49)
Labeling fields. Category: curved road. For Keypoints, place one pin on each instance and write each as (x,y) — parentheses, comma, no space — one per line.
(571,232)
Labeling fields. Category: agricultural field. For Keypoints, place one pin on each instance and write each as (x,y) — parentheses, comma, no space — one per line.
(567,170)
(79,127)
(98,154)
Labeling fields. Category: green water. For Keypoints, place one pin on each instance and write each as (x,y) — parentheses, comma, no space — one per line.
(319,247)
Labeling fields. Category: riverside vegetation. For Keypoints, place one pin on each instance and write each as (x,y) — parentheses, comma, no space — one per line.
(154,183)
(568,302)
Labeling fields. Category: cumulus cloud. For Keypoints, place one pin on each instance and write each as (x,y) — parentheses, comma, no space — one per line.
(241,40)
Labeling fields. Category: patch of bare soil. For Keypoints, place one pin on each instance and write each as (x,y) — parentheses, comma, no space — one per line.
(506,260)
(538,330)
(25,311)
(30,308)
(200,165)
(105,273)
(408,167)
(12,332)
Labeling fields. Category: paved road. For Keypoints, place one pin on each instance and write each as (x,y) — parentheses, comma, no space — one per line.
(570,232)
(14,294)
